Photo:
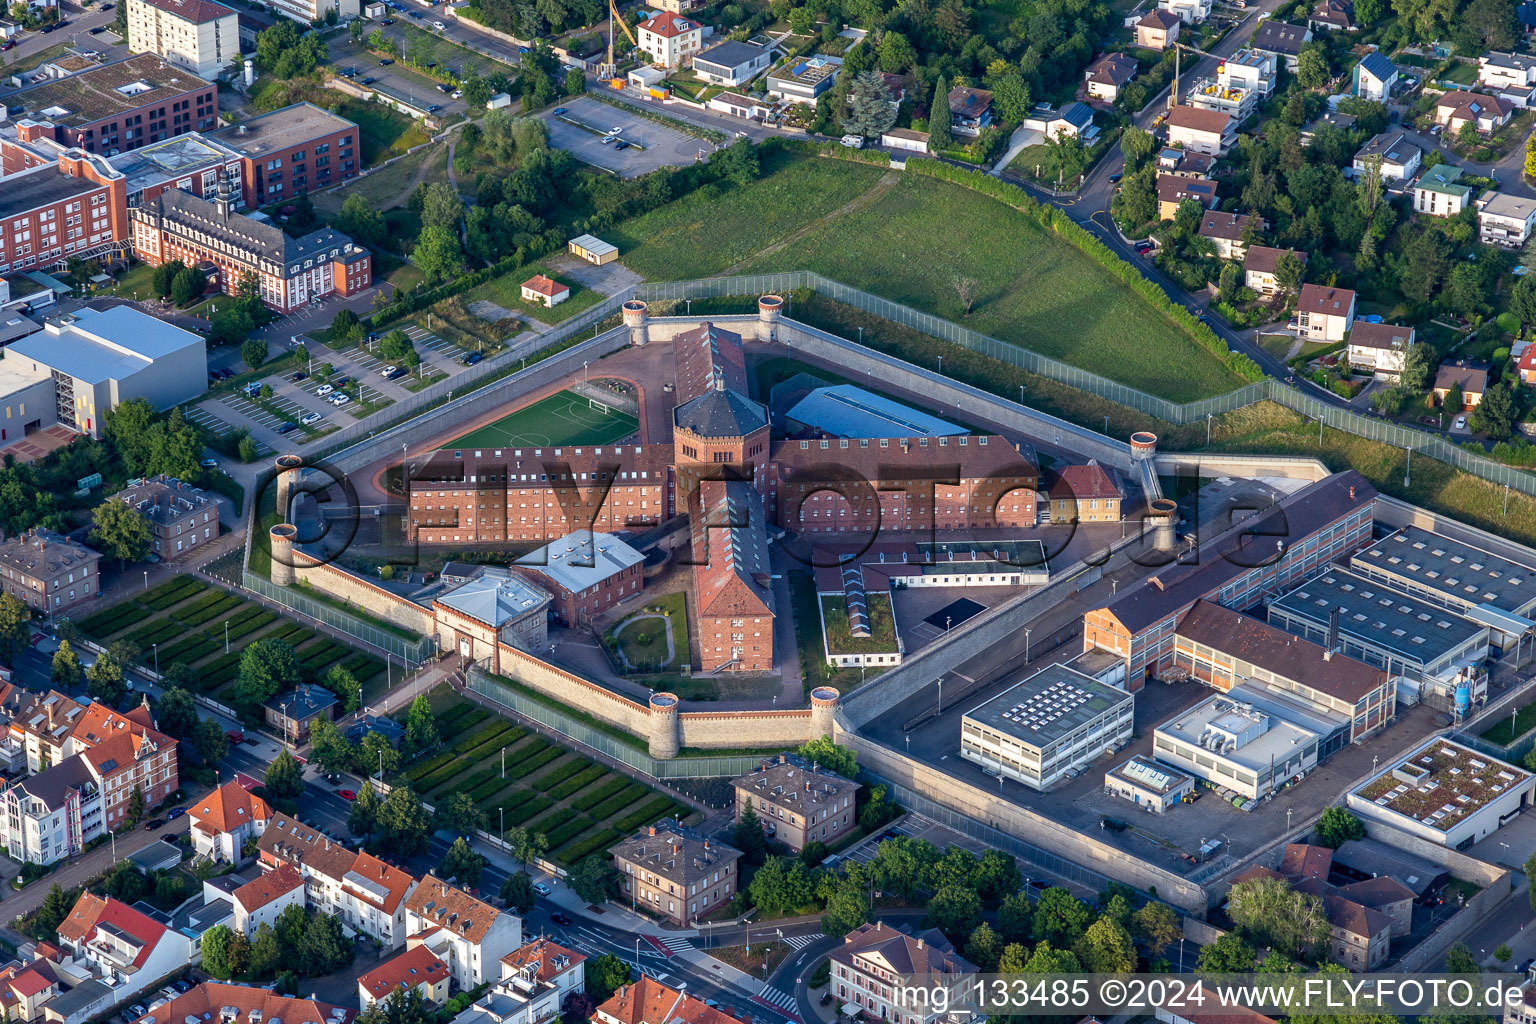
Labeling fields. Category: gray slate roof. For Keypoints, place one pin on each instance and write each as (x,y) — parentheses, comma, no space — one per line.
(720,412)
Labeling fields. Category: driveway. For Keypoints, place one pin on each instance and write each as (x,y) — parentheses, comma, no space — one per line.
(582,130)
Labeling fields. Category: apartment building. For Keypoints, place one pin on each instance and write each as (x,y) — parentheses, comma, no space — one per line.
(365,893)
(123,948)
(225,820)
(202,36)
(675,872)
(47,571)
(1324,313)
(53,814)
(289,272)
(873,961)
(262,900)
(466,933)
(306,12)
(1505,219)
(797,802)
(127,755)
(586,573)
(218,1003)
(670,39)
(293,150)
(75,206)
(1381,349)
(180,516)
(417,968)
(120,106)
(549,962)
(648,1001)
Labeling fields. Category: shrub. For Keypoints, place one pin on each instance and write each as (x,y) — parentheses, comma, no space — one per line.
(591,844)
(646,815)
(596,795)
(578,782)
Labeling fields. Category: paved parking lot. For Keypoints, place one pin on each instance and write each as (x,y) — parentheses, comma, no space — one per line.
(581,129)
(391,79)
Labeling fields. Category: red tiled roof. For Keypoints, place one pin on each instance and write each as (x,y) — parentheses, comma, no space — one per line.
(668,26)
(211,998)
(1465,104)
(1261,259)
(1086,481)
(229,807)
(648,1001)
(1197,120)
(268,886)
(1304,860)
(451,908)
(1318,298)
(30,983)
(91,911)
(395,882)
(416,966)
(544,285)
(544,953)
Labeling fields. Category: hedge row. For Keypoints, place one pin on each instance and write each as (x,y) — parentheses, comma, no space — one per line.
(553,820)
(578,782)
(476,738)
(220,670)
(1052,219)
(250,625)
(172,591)
(431,764)
(570,830)
(452,715)
(197,617)
(509,735)
(561,773)
(189,649)
(648,814)
(523,806)
(110,620)
(580,849)
(489,788)
(435,778)
(534,763)
(158,631)
(294,634)
(534,746)
(592,797)
(630,796)
(363,666)
(322,654)
(214,597)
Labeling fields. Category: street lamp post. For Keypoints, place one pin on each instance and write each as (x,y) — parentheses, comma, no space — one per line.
(156,647)
(226,636)
(1026,645)
(146,579)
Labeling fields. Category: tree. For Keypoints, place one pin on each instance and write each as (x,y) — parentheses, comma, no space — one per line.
(996,876)
(1106,948)
(404,822)
(955,911)
(15,627)
(1312,68)
(441,206)
(1288,272)
(437,253)
(604,976)
(594,879)
(1067,152)
(397,348)
(1530,872)
(461,863)
(737,163)
(175,712)
(871,112)
(984,948)
(1157,925)
(575,82)
(517,893)
(1486,25)
(66,670)
(253,351)
(1137,144)
(1530,160)
(1015,918)
(1495,414)
(1227,955)
(748,836)
(266,951)
(328,747)
(939,137)
(965,291)
(267,668)
(363,817)
(458,815)
(104,680)
(783,884)
(897,54)
(1418,365)
(1459,960)
(1060,917)
(1467,136)
(215,946)
(822,752)
(420,728)
(1522,298)
(1228,282)
(1503,954)
(1369,12)
(285,777)
(164,277)
(51,913)
(211,742)
(376,754)
(1454,400)
(361,221)
(1273,913)
(188,285)
(847,902)
(121,531)
(340,681)
(1336,826)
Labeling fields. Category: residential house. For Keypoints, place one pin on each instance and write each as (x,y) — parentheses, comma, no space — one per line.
(797,802)
(1330,118)
(1499,72)
(648,1001)
(1458,108)
(1075,119)
(1373,78)
(293,713)
(544,291)
(732,63)
(1173,190)
(1158,30)
(1324,313)
(804,79)
(1259,264)
(1332,14)
(47,571)
(872,955)
(1398,158)
(215,1003)
(1203,131)
(671,40)
(1526,366)
(1108,75)
(1505,219)
(675,872)
(262,900)
(225,820)
(549,962)
(466,933)
(1085,494)
(123,948)
(1182,163)
(970,110)
(365,893)
(1190,12)
(1380,349)
(126,754)
(739,105)
(1226,231)
(1241,82)
(26,988)
(41,725)
(53,814)
(1473,381)
(1440,192)
(1284,41)
(180,516)
(417,968)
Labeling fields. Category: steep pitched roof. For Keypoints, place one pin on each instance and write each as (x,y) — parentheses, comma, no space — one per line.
(1305,860)
(1377,66)
(1086,481)
(212,999)
(227,808)
(1262,259)
(416,966)
(648,1001)
(92,912)
(546,958)
(376,882)
(1111,69)
(1159,18)
(1219,224)
(268,886)
(305,847)
(451,908)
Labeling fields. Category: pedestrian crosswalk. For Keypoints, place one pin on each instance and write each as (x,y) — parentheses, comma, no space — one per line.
(801,941)
(677,945)
(782,1000)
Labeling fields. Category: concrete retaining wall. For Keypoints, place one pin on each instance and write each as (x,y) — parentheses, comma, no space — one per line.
(378,602)
(575,691)
(723,730)
(1173,463)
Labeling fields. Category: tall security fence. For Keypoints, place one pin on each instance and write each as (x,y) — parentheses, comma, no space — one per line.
(1272,390)
(412,652)
(701,767)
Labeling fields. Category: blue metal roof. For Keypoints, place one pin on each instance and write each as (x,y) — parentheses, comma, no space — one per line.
(848,411)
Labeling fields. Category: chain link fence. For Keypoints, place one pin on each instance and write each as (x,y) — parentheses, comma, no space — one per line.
(412,652)
(709,766)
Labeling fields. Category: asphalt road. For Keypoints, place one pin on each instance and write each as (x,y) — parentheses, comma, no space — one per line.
(77,33)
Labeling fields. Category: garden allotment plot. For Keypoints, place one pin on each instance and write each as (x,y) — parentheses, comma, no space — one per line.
(561,419)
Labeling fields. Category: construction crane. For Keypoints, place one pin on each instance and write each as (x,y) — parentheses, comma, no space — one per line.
(1173,94)
(607,70)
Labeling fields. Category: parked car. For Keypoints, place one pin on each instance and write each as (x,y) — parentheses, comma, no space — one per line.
(323,390)
(386,62)
(253,388)
(347,794)
(9,44)
(608,138)
(298,376)
(388,370)
(557,111)
(444,88)
(182,985)
(541,888)
(153,823)
(433,108)
(471,358)
(288,427)
(1461,423)
(172,815)
(439,26)
(309,418)
(1113,178)
(369,80)
(560,918)
(340,399)
(341,381)
(209,463)
(621,144)
(852,141)
(614,131)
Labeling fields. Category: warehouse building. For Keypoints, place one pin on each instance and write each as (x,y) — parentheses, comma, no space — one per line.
(1445,793)
(1147,783)
(847,411)
(1237,746)
(1049,725)
(1429,650)
(1484,587)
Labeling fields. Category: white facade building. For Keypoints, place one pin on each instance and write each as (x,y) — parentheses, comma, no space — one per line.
(202,36)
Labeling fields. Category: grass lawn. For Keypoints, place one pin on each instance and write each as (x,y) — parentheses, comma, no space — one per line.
(388,187)
(136,283)
(1500,732)
(506,292)
(1033,290)
(1461,72)
(739,221)
(560,419)
(652,656)
(813,656)
(1277,345)
(882,626)
(769,954)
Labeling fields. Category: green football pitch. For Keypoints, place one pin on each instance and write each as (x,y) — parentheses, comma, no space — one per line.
(561,419)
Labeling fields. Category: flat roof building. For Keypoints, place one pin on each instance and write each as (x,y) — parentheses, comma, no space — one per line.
(296,149)
(190,162)
(1051,723)
(1427,649)
(1485,587)
(121,106)
(1150,784)
(202,36)
(587,573)
(848,411)
(593,249)
(1236,747)
(1445,793)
